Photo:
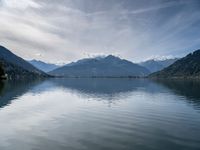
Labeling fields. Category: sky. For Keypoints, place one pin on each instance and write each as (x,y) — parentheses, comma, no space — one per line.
(60,31)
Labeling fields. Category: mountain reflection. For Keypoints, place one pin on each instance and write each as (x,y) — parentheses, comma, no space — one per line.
(10,90)
(101,86)
(108,89)
(102,89)
(187,88)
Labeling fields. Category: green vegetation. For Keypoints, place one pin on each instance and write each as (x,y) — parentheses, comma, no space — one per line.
(2,73)
(17,68)
(187,67)
(17,72)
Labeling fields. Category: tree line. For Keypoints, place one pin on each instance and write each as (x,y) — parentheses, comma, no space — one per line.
(2,73)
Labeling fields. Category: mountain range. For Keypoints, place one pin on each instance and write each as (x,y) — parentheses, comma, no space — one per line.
(16,67)
(46,67)
(152,65)
(186,67)
(156,65)
(109,66)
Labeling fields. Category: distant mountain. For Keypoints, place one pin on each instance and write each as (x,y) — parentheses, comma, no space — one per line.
(157,65)
(186,67)
(46,67)
(16,67)
(109,66)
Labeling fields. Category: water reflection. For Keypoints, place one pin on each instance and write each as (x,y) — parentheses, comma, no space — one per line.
(56,114)
(106,89)
(113,89)
(187,88)
(10,90)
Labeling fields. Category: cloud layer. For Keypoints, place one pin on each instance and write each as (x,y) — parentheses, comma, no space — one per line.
(66,30)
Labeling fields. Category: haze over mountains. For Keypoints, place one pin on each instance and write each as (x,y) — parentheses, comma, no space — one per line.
(156,65)
(46,67)
(152,65)
(109,66)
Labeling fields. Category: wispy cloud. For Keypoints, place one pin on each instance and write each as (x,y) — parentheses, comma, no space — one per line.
(158,7)
(19,4)
(66,30)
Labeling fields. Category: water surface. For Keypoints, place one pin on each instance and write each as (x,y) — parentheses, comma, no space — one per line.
(100,114)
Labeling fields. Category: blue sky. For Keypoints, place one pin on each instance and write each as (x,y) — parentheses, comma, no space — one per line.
(67,30)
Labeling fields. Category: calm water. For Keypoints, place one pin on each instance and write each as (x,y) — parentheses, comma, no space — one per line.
(100,114)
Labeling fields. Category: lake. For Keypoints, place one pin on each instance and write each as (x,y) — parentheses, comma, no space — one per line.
(100,114)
